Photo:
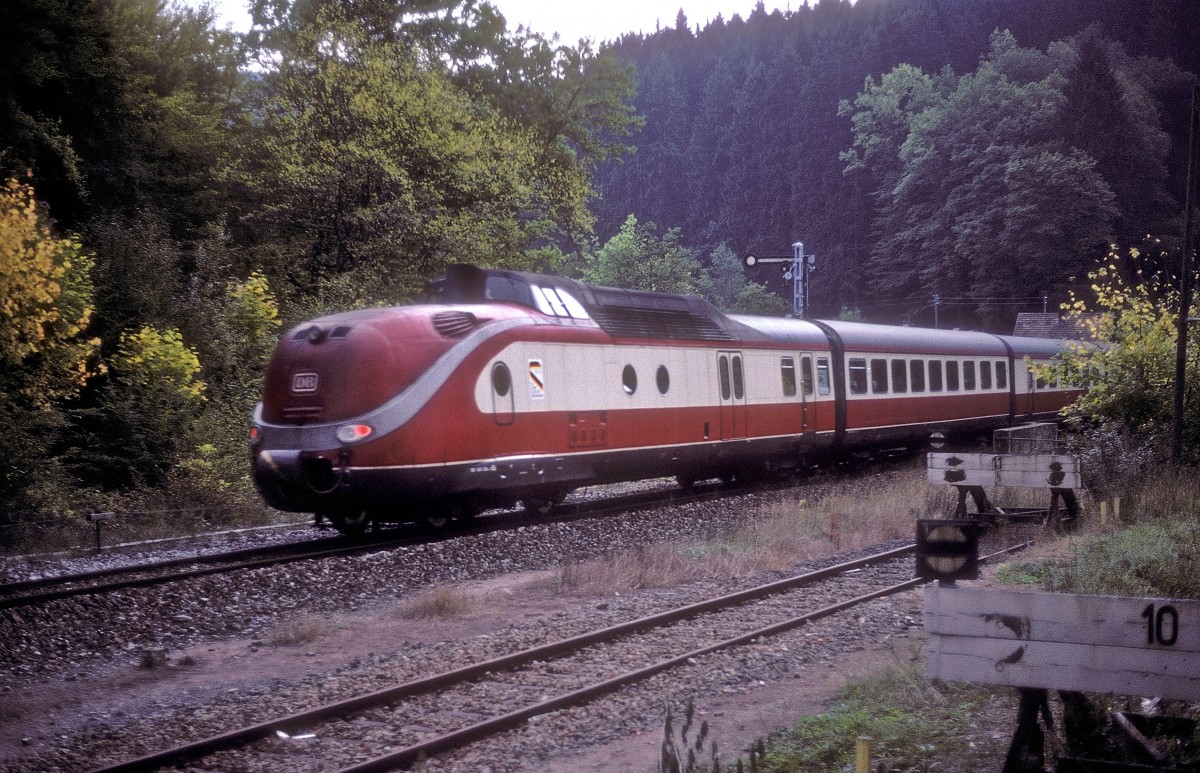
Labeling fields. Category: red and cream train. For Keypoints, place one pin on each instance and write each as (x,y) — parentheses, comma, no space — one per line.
(513,387)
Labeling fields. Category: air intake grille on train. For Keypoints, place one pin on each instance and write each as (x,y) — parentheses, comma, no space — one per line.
(628,322)
(454,323)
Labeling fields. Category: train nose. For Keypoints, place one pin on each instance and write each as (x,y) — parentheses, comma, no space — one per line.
(294,468)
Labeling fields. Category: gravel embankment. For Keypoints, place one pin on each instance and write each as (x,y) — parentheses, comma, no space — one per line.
(85,640)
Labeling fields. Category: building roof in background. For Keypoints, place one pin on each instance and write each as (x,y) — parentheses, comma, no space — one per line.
(1053,326)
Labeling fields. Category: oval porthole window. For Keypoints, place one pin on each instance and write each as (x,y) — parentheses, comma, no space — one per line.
(629,380)
(501,379)
(664,379)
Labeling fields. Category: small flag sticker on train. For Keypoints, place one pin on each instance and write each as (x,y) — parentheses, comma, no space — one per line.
(537,385)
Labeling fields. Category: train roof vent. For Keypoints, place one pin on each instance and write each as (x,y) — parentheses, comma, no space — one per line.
(453,324)
(678,324)
(341,331)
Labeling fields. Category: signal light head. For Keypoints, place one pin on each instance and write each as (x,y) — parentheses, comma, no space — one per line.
(254,435)
(948,550)
(353,433)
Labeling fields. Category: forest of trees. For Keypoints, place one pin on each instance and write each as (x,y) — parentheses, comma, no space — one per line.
(982,150)
(173,195)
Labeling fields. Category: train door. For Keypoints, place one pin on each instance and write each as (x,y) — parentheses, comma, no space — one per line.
(731,385)
(808,406)
(503,407)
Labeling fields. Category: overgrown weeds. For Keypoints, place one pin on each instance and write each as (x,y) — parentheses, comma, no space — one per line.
(776,537)
(914,725)
(304,629)
(441,602)
(683,757)
(1155,551)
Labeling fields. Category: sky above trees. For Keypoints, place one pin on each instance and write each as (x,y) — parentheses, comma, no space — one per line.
(571,20)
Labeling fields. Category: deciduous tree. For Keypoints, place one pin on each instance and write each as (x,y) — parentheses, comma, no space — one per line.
(46,354)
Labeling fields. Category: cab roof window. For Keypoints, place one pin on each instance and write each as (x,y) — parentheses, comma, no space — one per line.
(556,302)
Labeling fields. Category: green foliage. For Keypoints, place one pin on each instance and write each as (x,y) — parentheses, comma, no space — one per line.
(146,419)
(1131,378)
(181,78)
(369,157)
(979,197)
(914,725)
(62,111)
(1154,550)
(1027,573)
(1147,559)
(730,291)
(637,257)
(742,138)
(575,103)
(235,328)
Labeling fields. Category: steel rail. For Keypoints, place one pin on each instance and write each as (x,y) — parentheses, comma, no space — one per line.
(10,588)
(161,579)
(294,552)
(563,513)
(233,560)
(299,721)
(513,719)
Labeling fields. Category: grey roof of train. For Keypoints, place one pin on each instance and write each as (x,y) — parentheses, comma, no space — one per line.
(785,329)
(859,336)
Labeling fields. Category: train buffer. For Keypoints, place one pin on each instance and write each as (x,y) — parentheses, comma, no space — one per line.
(972,473)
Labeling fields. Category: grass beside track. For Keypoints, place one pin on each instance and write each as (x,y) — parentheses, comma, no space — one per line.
(918,726)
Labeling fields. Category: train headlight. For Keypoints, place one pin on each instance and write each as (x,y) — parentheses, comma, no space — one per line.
(353,433)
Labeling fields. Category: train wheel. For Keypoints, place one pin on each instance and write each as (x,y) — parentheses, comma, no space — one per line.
(539,507)
(436,518)
(463,511)
(352,523)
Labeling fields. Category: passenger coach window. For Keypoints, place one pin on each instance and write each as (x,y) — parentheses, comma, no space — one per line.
(787,372)
(985,375)
(879,381)
(806,375)
(916,369)
(822,376)
(723,367)
(969,374)
(663,378)
(1002,375)
(739,389)
(858,376)
(899,377)
(951,376)
(935,376)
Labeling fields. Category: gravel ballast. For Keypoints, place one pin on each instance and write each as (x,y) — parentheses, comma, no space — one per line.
(91,645)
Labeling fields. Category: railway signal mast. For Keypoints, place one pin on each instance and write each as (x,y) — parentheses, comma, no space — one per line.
(797,268)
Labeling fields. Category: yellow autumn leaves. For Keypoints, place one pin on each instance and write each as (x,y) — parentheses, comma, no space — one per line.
(45,302)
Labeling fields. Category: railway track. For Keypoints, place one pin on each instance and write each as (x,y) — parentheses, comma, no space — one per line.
(394,727)
(28,593)
(42,590)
